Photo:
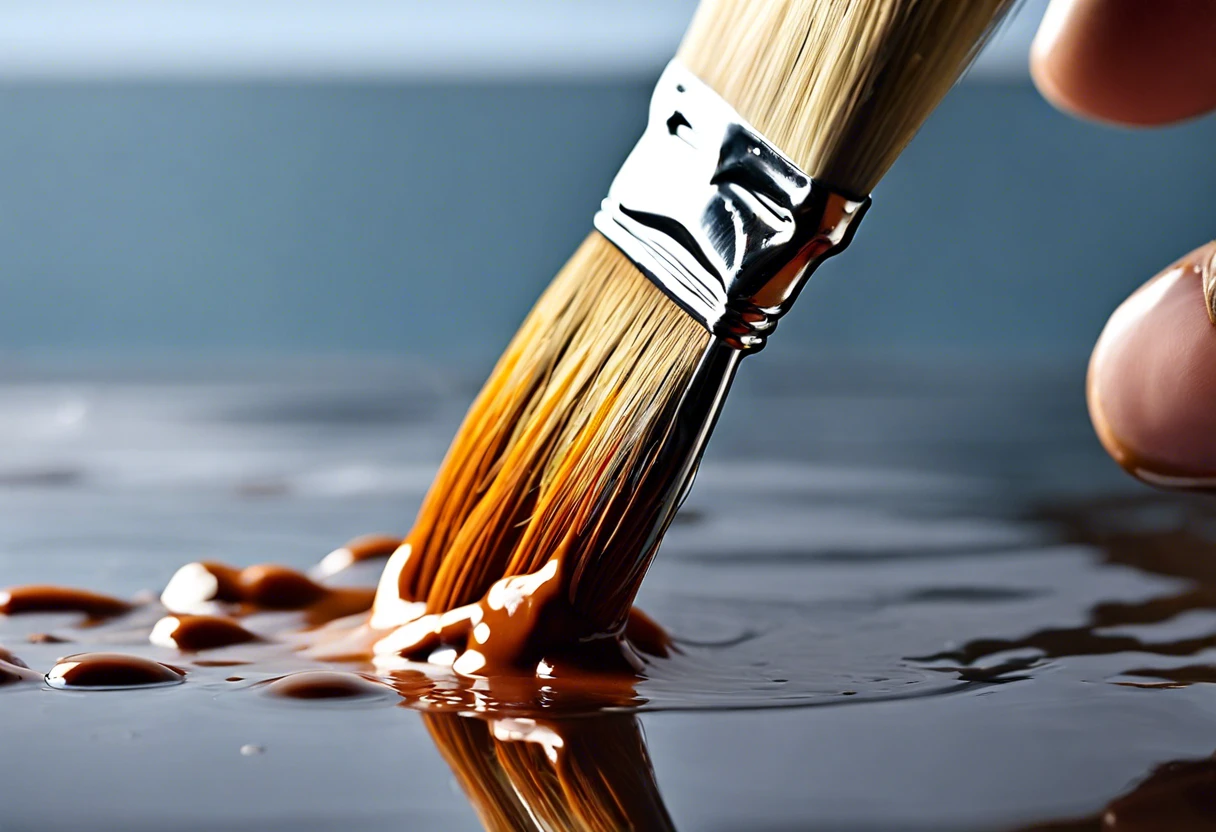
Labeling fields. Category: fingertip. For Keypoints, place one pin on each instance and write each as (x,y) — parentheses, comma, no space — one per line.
(1152,378)
(1127,62)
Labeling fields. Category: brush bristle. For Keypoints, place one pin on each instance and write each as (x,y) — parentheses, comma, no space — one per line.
(556,458)
(577,401)
(840,85)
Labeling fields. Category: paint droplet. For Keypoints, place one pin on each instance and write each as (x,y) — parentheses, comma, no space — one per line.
(111,671)
(198,632)
(325,684)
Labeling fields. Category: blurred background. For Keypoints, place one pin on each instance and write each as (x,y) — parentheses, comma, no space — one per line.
(403,177)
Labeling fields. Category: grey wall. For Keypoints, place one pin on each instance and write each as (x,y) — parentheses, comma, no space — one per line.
(152,216)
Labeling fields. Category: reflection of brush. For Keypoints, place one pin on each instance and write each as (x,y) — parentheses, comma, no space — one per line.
(582,775)
(579,448)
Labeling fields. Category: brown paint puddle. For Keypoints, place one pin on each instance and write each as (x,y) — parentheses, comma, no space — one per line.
(500,725)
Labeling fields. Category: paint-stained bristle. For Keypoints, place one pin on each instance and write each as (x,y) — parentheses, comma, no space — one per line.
(840,85)
(581,775)
(557,456)
(576,402)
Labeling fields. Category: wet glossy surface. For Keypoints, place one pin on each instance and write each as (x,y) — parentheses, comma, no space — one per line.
(1036,634)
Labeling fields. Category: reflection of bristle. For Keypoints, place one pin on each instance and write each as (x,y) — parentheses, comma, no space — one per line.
(608,778)
(467,746)
(556,456)
(587,775)
(538,785)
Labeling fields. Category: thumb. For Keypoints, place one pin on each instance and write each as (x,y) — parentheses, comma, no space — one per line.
(1131,62)
(1152,377)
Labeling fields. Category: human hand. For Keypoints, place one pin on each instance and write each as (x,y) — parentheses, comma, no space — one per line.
(1152,376)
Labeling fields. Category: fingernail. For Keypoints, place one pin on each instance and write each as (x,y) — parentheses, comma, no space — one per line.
(1152,377)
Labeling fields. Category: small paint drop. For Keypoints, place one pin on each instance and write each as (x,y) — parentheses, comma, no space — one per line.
(198,632)
(201,587)
(325,684)
(251,750)
(45,638)
(111,671)
(367,547)
(278,587)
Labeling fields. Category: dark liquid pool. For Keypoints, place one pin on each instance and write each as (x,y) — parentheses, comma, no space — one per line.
(907,596)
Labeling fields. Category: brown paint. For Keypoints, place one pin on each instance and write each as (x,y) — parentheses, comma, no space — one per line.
(205,586)
(338,603)
(192,633)
(361,549)
(526,625)
(36,598)
(227,582)
(278,588)
(325,684)
(98,671)
(593,773)
(45,638)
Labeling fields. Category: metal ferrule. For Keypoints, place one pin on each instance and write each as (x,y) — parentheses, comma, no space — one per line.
(729,228)
(720,219)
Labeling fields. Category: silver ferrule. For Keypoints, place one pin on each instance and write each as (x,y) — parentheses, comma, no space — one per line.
(717,217)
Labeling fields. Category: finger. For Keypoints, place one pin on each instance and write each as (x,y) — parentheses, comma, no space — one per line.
(1152,377)
(1132,62)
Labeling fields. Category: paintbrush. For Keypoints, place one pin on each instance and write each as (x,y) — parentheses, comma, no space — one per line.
(766,135)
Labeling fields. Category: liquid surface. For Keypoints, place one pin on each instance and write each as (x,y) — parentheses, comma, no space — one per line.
(1008,632)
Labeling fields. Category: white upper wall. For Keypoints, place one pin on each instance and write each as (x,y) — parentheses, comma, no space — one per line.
(372,39)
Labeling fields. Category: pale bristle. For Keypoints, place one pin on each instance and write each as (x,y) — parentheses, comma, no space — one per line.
(840,85)
(579,398)
(556,458)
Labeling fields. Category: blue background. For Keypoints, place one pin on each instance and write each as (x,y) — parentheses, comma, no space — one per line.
(405,212)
